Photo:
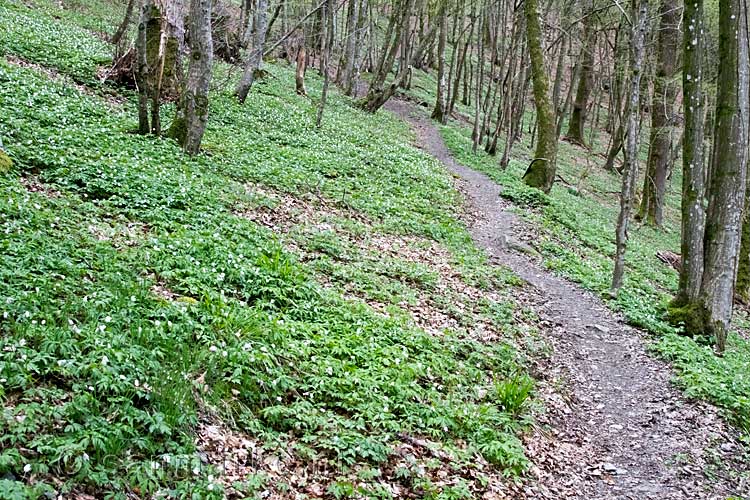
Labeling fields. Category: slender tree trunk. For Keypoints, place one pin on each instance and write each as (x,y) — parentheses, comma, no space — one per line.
(575,74)
(279,7)
(726,192)
(662,119)
(123,28)
(639,18)
(541,172)
(376,98)
(439,112)
(299,74)
(479,77)
(326,55)
(559,71)
(143,67)
(255,61)
(346,64)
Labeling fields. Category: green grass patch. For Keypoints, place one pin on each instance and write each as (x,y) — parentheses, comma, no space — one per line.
(137,298)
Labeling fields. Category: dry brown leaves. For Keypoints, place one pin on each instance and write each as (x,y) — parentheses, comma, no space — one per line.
(237,457)
(34,185)
(289,215)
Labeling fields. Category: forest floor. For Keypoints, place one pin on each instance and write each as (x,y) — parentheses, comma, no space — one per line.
(301,311)
(615,426)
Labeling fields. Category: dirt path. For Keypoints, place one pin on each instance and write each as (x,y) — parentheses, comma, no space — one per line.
(615,426)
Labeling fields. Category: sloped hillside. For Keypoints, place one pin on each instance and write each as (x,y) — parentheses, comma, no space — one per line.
(295,310)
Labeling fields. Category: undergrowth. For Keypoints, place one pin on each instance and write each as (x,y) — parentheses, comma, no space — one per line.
(576,224)
(139,303)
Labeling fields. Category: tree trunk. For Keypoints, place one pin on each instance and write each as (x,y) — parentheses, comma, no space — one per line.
(576,125)
(327,13)
(255,61)
(662,116)
(192,110)
(123,28)
(630,170)
(388,55)
(299,74)
(147,22)
(460,66)
(376,98)
(726,192)
(346,64)
(541,172)
(439,112)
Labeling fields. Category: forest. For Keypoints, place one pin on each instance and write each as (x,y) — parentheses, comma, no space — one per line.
(375,249)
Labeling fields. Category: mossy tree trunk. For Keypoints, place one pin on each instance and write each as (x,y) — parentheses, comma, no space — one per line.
(577,123)
(191,114)
(726,192)
(255,60)
(147,23)
(662,116)
(541,171)
(639,19)
(5,162)
(158,67)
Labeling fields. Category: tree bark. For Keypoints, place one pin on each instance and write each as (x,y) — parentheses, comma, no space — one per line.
(439,112)
(377,97)
(327,13)
(146,24)
(662,116)
(726,192)
(192,110)
(123,28)
(346,64)
(255,60)
(630,170)
(576,125)
(541,172)
(301,69)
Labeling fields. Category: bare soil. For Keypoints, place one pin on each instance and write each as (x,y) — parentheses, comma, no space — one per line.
(615,426)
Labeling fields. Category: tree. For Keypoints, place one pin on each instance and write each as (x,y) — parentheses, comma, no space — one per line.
(123,28)
(576,126)
(378,94)
(146,46)
(327,35)
(693,187)
(440,111)
(662,116)
(726,191)
(191,114)
(541,172)
(255,60)
(345,76)
(158,66)
(639,21)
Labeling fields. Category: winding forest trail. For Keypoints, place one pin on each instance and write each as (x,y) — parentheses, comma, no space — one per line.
(615,427)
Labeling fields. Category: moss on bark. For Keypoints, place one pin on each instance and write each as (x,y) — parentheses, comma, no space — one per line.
(5,162)
(693,317)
